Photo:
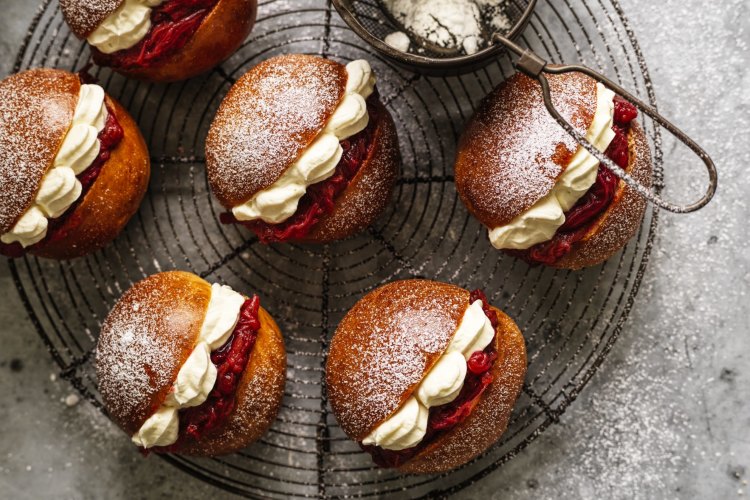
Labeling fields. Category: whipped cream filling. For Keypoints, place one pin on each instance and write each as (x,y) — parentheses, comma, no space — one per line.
(279,201)
(442,384)
(197,376)
(125,27)
(59,188)
(540,222)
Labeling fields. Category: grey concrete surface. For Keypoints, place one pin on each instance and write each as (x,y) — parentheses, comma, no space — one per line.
(668,415)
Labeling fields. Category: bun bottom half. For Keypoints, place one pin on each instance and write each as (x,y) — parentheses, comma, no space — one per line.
(259,396)
(112,200)
(620,222)
(369,192)
(220,34)
(489,417)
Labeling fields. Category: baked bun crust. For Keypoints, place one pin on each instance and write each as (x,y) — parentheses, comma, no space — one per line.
(111,201)
(259,396)
(619,223)
(84,16)
(512,151)
(218,37)
(489,417)
(37,109)
(145,341)
(368,193)
(384,347)
(266,120)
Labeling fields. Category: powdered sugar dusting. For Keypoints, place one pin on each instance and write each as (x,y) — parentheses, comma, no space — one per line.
(144,342)
(269,116)
(84,16)
(461,25)
(36,110)
(384,346)
(513,151)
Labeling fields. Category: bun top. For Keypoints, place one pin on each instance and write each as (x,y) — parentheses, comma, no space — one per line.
(144,342)
(267,120)
(512,151)
(84,16)
(384,347)
(36,110)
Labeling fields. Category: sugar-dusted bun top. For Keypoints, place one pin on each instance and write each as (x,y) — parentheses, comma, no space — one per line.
(36,110)
(513,151)
(385,345)
(84,16)
(266,121)
(144,342)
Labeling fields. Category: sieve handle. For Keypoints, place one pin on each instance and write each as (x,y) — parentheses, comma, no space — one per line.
(534,66)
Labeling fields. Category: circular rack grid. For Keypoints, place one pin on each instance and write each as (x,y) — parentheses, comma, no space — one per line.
(570,319)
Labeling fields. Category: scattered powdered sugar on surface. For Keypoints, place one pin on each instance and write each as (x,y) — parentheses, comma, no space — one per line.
(385,344)
(36,110)
(463,25)
(269,116)
(513,151)
(84,16)
(72,399)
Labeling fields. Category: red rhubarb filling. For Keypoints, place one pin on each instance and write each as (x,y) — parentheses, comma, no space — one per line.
(445,417)
(57,229)
(230,360)
(319,199)
(597,199)
(173,24)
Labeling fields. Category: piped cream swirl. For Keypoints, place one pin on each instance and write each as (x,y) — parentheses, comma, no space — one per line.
(442,384)
(125,27)
(279,201)
(540,222)
(59,188)
(197,376)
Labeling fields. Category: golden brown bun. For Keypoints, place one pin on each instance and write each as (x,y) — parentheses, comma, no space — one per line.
(144,342)
(512,151)
(84,16)
(384,347)
(489,417)
(217,38)
(614,228)
(111,201)
(266,121)
(258,396)
(146,339)
(36,111)
(368,193)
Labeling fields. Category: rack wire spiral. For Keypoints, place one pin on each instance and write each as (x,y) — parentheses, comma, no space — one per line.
(570,319)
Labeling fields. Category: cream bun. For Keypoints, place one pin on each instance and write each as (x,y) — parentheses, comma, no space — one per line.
(73,165)
(424,375)
(160,40)
(301,149)
(189,367)
(541,196)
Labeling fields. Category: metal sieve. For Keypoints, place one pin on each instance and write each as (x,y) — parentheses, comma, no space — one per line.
(372,21)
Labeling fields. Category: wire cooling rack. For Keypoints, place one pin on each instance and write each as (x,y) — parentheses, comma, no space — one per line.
(570,319)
